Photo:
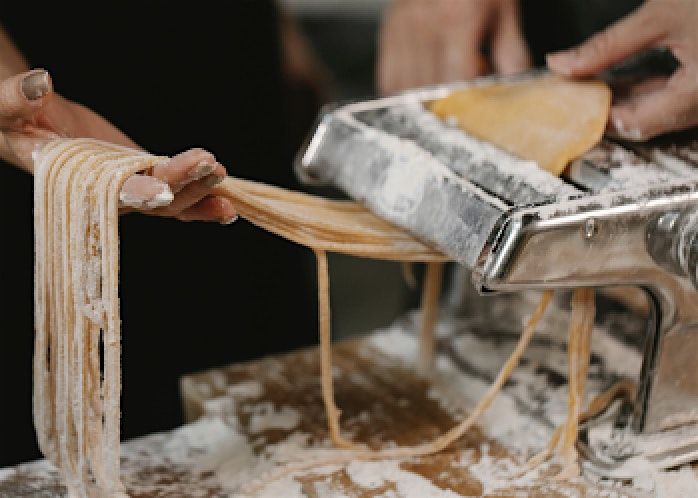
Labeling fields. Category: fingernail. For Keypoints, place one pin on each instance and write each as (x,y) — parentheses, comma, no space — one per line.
(229,221)
(202,169)
(36,85)
(134,202)
(212,180)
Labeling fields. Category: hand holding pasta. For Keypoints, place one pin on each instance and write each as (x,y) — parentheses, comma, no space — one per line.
(31,113)
(423,42)
(659,105)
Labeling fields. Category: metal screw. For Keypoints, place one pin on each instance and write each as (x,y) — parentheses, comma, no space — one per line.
(590,228)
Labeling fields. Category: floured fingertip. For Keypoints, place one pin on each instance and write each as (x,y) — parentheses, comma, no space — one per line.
(145,192)
(161,199)
(230,221)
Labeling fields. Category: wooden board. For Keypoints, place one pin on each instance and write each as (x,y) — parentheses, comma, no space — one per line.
(247,418)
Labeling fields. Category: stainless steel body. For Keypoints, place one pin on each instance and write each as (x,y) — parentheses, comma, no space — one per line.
(618,217)
(592,244)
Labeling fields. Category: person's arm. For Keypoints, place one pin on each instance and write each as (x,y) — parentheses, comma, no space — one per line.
(11,60)
(424,42)
(299,61)
(659,105)
(32,113)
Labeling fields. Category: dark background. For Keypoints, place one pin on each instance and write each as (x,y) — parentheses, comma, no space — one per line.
(195,296)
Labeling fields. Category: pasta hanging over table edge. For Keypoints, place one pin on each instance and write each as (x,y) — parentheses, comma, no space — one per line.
(77,186)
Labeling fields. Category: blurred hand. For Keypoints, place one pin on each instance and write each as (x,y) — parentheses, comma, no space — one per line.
(300,62)
(31,113)
(423,42)
(659,105)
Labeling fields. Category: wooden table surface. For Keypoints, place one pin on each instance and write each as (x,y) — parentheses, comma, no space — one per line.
(249,420)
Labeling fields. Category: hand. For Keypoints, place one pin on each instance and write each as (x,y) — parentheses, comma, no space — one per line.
(659,105)
(300,63)
(423,42)
(31,113)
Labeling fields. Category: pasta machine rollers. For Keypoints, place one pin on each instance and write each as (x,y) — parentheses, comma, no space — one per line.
(620,215)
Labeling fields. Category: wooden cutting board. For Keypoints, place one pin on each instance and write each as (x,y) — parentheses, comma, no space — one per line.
(245,417)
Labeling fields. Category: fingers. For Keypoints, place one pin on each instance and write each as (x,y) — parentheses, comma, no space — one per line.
(190,195)
(21,96)
(393,59)
(177,188)
(211,208)
(464,25)
(630,35)
(421,47)
(427,42)
(648,113)
(187,167)
(510,54)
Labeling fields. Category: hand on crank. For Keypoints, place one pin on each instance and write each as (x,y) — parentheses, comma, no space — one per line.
(658,105)
(31,113)
(423,42)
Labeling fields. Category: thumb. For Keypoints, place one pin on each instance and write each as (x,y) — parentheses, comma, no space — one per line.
(626,37)
(22,95)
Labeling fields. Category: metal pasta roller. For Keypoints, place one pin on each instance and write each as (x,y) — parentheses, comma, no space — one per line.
(619,216)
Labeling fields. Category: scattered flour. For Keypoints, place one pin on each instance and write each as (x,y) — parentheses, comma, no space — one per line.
(245,389)
(392,342)
(496,474)
(372,475)
(682,483)
(265,417)
(230,460)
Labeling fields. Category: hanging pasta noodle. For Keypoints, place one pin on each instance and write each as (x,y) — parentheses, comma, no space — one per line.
(77,345)
(496,113)
(544,103)
(440,443)
(578,357)
(77,371)
(77,340)
(564,438)
(550,120)
(430,316)
(352,230)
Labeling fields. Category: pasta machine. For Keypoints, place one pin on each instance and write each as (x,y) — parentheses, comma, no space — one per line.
(623,214)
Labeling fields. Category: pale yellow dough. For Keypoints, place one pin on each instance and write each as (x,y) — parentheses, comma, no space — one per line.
(549,120)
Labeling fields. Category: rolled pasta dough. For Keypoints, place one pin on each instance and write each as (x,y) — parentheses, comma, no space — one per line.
(550,120)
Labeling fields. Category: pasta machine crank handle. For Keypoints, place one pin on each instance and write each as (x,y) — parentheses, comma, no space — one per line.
(651,243)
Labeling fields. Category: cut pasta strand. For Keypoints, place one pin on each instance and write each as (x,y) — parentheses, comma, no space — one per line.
(320,224)
(77,365)
(77,354)
(624,390)
(331,411)
(430,315)
(77,388)
(440,443)
(578,355)
(564,438)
